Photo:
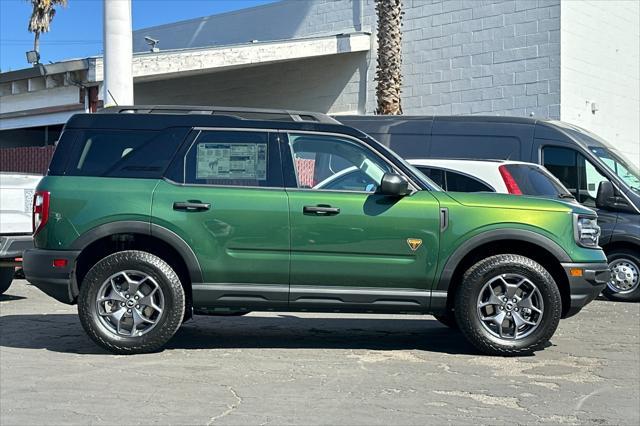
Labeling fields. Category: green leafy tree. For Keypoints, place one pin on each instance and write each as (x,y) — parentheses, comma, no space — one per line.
(41,17)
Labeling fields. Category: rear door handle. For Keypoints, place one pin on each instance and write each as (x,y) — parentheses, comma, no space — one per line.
(321,210)
(191,206)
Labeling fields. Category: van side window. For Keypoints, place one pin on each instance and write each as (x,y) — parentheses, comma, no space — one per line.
(575,172)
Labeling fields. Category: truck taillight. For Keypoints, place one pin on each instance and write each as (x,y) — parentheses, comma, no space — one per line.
(40,210)
(509,181)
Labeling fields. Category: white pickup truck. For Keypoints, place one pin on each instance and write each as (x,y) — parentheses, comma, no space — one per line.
(16,198)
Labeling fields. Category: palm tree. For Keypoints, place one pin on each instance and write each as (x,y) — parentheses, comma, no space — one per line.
(389,70)
(41,17)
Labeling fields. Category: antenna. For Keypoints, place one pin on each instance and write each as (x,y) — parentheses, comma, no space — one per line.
(114,99)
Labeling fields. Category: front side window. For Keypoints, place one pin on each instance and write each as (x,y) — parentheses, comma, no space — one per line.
(232,158)
(576,173)
(332,163)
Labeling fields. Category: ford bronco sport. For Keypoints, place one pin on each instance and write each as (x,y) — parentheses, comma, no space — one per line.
(151,214)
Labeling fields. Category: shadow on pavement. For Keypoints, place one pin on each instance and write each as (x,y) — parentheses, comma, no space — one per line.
(8,297)
(63,333)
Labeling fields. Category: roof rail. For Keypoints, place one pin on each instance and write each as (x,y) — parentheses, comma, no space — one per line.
(238,112)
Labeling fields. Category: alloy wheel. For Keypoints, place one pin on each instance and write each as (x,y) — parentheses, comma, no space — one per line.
(510,306)
(129,303)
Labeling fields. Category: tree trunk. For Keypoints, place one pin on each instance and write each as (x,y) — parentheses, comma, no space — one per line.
(389,70)
(36,42)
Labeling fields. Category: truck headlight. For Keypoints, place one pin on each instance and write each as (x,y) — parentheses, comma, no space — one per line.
(586,231)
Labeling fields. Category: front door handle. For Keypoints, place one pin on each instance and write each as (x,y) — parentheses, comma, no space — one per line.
(321,210)
(191,206)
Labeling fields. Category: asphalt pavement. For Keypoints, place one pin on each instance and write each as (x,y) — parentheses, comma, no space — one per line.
(283,368)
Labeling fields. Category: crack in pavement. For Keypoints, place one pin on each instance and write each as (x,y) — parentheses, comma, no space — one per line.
(230,408)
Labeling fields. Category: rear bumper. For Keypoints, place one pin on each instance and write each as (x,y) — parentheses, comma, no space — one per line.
(583,289)
(57,282)
(12,246)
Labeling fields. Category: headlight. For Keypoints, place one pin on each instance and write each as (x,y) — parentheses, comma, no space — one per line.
(586,231)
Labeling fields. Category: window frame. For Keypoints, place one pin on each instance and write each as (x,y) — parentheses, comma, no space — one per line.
(177,168)
(290,176)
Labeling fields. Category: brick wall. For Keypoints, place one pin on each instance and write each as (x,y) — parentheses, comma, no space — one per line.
(33,160)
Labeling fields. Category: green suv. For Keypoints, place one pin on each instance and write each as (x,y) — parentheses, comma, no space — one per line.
(151,214)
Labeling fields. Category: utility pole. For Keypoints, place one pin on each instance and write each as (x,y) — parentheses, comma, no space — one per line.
(118,51)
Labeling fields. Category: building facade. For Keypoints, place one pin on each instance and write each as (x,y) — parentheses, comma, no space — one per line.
(575,61)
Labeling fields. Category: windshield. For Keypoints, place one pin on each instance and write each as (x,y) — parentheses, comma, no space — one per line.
(607,155)
(619,166)
(416,173)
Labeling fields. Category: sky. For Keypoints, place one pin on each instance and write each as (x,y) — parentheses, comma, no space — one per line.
(76,30)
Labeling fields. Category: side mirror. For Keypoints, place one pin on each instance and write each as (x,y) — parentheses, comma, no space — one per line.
(606,193)
(394,185)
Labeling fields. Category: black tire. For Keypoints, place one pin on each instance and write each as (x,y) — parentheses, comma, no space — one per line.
(467,296)
(633,259)
(448,319)
(6,277)
(167,322)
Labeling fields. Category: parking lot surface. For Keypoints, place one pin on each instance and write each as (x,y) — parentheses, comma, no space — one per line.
(271,368)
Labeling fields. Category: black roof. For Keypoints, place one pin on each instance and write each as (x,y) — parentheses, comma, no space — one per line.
(110,119)
(466,118)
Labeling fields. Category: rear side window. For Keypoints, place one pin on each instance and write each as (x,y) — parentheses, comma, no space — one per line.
(536,181)
(123,153)
(436,175)
(231,158)
(457,182)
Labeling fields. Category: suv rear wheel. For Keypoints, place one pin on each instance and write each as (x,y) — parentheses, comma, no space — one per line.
(131,302)
(625,276)
(508,305)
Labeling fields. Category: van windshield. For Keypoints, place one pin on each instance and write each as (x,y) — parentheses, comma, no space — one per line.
(606,153)
(619,166)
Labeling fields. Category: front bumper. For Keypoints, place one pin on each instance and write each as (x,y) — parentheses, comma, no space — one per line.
(586,287)
(57,282)
(12,246)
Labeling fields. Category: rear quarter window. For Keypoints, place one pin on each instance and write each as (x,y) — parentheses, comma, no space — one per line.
(536,181)
(123,153)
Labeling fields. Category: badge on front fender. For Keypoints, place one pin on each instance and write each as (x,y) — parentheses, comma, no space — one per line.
(414,243)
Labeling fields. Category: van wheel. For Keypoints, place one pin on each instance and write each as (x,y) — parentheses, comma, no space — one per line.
(625,276)
(508,305)
(131,302)
(6,276)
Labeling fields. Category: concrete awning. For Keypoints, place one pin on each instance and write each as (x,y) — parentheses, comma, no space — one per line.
(184,62)
(51,93)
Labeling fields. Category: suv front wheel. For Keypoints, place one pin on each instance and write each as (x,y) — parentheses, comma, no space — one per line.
(508,305)
(131,302)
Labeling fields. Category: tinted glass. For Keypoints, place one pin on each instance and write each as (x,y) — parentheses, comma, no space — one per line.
(324,162)
(575,172)
(534,180)
(436,175)
(123,153)
(460,183)
(232,159)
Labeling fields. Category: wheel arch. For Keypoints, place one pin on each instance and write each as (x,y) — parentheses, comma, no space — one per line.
(127,235)
(526,243)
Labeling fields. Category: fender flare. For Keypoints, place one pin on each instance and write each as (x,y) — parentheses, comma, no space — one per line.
(476,241)
(144,228)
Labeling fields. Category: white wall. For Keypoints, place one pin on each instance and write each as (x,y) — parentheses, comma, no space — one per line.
(600,45)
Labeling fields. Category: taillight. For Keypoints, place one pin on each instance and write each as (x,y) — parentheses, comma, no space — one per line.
(509,181)
(40,210)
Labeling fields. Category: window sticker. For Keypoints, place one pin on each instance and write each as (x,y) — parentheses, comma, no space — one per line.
(231,161)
